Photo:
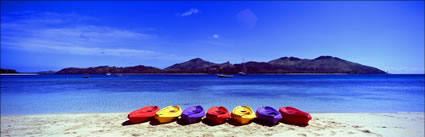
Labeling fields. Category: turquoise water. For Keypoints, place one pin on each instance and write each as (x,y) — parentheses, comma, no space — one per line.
(312,93)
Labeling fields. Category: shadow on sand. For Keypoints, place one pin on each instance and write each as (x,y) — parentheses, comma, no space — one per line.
(299,125)
(127,123)
(259,122)
(209,123)
(184,123)
(206,121)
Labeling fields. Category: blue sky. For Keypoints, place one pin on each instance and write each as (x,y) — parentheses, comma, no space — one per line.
(48,35)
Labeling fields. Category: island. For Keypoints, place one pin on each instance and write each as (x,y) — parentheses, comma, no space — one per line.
(283,65)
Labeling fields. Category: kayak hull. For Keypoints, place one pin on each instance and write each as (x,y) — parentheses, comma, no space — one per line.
(294,116)
(143,114)
(165,119)
(240,119)
(216,120)
(140,119)
(268,115)
(243,114)
(193,114)
(217,115)
(168,114)
(190,120)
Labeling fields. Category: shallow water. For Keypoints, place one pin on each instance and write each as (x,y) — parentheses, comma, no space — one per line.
(312,93)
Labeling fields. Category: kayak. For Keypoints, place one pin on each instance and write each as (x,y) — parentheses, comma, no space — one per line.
(168,114)
(143,114)
(294,116)
(268,115)
(243,114)
(193,114)
(218,115)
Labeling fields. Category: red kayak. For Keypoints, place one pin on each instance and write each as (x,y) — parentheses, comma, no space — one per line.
(218,115)
(294,116)
(142,115)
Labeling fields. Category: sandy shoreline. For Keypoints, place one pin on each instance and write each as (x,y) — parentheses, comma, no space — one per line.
(114,124)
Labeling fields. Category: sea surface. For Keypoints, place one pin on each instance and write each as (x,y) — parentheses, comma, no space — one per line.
(41,94)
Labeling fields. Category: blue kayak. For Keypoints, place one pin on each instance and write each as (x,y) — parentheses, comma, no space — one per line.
(193,114)
(268,115)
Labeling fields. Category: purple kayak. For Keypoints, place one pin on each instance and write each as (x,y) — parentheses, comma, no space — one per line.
(193,114)
(268,115)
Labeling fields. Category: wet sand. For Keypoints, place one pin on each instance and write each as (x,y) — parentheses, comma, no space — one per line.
(116,124)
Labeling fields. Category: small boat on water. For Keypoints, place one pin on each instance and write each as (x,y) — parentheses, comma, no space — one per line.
(294,116)
(224,76)
(168,114)
(217,115)
(244,70)
(243,114)
(108,74)
(268,115)
(86,76)
(193,114)
(143,114)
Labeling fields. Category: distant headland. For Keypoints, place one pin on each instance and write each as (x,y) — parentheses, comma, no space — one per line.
(284,65)
(14,72)
(7,71)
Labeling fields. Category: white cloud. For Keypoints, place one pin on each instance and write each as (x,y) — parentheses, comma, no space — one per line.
(44,18)
(190,12)
(59,33)
(51,46)
(216,36)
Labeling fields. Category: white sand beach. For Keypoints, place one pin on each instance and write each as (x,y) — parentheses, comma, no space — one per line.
(114,124)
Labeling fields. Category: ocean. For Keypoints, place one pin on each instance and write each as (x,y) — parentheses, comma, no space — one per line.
(45,94)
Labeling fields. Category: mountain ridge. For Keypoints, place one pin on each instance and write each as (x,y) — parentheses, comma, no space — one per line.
(283,65)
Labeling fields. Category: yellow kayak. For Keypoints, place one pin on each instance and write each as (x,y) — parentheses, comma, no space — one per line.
(243,114)
(168,114)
